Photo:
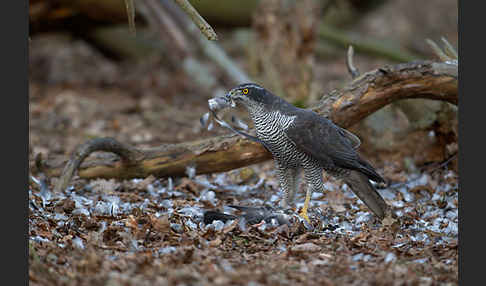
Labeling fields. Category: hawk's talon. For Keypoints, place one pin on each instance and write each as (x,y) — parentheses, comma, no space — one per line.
(303,214)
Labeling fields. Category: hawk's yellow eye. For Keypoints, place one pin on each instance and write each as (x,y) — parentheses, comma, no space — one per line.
(245,91)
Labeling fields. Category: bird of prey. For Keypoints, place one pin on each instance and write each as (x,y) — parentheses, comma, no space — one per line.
(300,139)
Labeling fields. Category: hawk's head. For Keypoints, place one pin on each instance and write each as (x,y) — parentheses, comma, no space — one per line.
(249,94)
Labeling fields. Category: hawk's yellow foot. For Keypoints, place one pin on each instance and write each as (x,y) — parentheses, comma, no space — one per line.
(303,211)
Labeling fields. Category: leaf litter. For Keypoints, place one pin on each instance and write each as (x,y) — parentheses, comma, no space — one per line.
(227,229)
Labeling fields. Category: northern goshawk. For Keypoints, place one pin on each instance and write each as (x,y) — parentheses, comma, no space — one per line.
(300,139)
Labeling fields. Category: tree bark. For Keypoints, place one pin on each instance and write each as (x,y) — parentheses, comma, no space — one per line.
(346,106)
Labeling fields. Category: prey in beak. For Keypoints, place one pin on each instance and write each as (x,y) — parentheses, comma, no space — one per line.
(230,97)
(218,103)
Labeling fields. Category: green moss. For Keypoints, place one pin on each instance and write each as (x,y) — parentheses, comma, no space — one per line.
(301,103)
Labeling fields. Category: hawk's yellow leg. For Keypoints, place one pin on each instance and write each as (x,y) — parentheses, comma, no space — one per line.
(303,211)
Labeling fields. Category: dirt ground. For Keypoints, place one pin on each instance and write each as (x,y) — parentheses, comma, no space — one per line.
(154,231)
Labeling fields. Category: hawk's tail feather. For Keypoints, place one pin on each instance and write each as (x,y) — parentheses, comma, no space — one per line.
(369,171)
(361,186)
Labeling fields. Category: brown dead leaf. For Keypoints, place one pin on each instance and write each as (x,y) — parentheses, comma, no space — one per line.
(361,239)
(188,185)
(230,227)
(45,234)
(160,224)
(337,207)
(145,182)
(283,230)
(111,235)
(67,238)
(104,186)
(416,190)
(306,247)
(215,242)
(388,221)
(131,222)
(68,206)
(324,255)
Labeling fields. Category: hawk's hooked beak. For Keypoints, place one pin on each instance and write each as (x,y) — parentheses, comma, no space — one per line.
(229,97)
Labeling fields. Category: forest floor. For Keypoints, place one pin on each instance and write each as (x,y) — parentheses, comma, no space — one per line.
(150,231)
(153,231)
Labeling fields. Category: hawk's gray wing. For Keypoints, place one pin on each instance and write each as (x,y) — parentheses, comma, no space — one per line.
(354,140)
(333,148)
(328,143)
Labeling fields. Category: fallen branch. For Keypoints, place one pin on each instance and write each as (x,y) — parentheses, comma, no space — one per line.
(128,154)
(373,90)
(347,106)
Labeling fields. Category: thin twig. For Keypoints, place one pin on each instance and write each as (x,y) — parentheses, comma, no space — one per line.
(449,50)
(437,50)
(131,15)
(349,63)
(205,28)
